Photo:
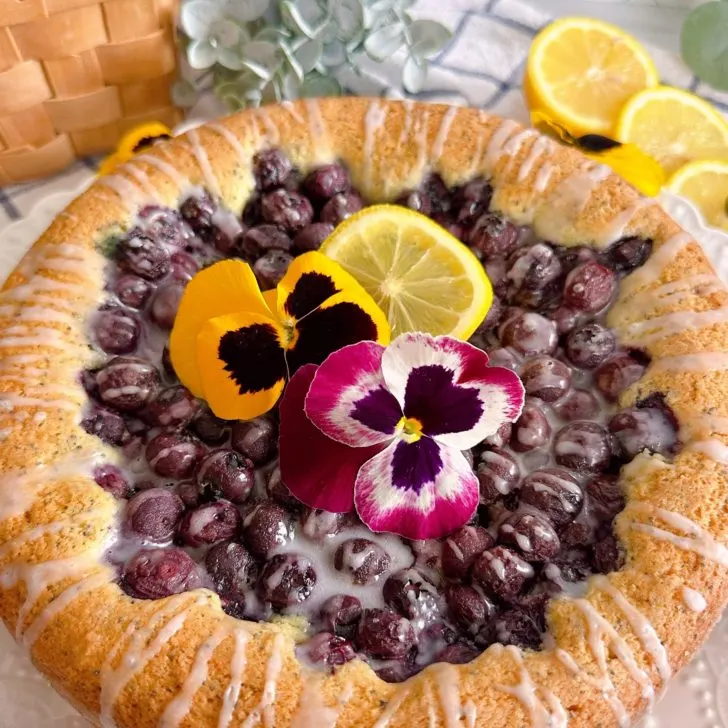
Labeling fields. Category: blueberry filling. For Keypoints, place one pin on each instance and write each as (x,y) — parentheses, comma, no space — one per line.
(205,504)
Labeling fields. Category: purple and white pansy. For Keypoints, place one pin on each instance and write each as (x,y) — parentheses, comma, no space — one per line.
(393,422)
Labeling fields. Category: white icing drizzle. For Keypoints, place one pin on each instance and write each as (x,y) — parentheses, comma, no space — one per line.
(714,449)
(673,293)
(640,624)
(237,668)
(272,133)
(494,150)
(470,713)
(693,600)
(180,705)
(373,121)
(543,177)
(653,268)
(704,361)
(430,703)
(695,538)
(404,135)
(551,715)
(438,147)
(141,178)
(541,146)
(699,424)
(193,136)
(291,109)
(312,711)
(448,687)
(650,331)
(166,168)
(129,193)
(141,650)
(60,603)
(513,146)
(266,706)
(232,140)
(315,121)
(392,707)
(422,132)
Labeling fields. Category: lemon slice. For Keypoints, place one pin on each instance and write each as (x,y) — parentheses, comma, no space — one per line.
(423,278)
(673,126)
(581,71)
(706,184)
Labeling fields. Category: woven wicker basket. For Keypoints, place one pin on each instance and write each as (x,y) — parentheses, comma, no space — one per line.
(76,74)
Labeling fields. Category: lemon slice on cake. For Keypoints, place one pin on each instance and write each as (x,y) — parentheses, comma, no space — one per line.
(581,71)
(706,184)
(422,277)
(674,127)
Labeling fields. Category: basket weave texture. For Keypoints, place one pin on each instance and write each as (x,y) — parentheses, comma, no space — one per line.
(76,74)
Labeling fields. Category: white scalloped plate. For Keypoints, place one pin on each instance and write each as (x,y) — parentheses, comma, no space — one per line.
(697,698)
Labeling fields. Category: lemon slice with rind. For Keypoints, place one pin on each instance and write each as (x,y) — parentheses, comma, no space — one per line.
(422,277)
(706,184)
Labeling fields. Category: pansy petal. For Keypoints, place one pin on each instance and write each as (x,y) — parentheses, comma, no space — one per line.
(319,471)
(347,400)
(343,320)
(418,490)
(225,287)
(242,364)
(447,385)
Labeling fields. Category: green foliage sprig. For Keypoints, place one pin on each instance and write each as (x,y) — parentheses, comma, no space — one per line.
(704,43)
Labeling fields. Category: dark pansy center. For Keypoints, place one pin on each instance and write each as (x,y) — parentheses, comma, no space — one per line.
(205,503)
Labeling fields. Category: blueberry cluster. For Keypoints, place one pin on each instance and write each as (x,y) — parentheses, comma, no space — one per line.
(205,503)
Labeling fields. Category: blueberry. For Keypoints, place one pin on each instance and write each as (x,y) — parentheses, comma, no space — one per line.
(232,569)
(590,345)
(502,572)
(127,383)
(460,549)
(341,206)
(174,408)
(116,331)
(578,404)
(546,378)
(286,580)
(165,303)
(266,527)
(278,490)
(139,254)
(617,374)
(589,287)
(108,426)
(132,290)
(340,614)
(312,236)
(159,573)
(493,236)
(270,268)
(555,492)
(271,169)
(638,429)
(329,649)
(153,514)
(607,556)
(628,254)
(174,454)
(412,595)
(209,523)
(210,429)
(531,535)
(112,480)
(383,634)
(529,334)
(533,275)
(326,181)
(583,446)
(363,560)
(256,439)
(468,607)
(531,430)
(606,498)
(227,474)
(260,239)
(498,474)
(291,211)
(318,525)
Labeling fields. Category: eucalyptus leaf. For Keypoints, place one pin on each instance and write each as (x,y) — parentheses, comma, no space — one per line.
(233,102)
(200,54)
(271,34)
(260,71)
(704,43)
(384,43)
(414,75)
(245,11)
(184,93)
(292,62)
(427,37)
(195,18)
(316,84)
(382,6)
(262,53)
(308,54)
(303,16)
(230,58)
(225,33)
(290,86)
(349,18)
(334,53)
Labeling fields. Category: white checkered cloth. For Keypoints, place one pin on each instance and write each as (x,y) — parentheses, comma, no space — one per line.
(481,66)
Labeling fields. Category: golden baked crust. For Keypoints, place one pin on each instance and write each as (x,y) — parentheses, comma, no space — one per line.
(181,660)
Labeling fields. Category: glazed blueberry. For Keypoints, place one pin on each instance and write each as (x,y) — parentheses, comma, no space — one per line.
(530,334)
(546,378)
(159,573)
(589,287)
(385,635)
(533,275)
(363,560)
(502,572)
(143,256)
(498,474)
(340,614)
(648,428)
(251,212)
(112,480)
(583,446)
(174,408)
(270,268)
(326,181)
(108,426)
(531,535)
(438,195)
(572,567)
(132,290)
(117,331)
(500,438)
(411,595)
(590,345)
(232,569)
(278,490)
(341,206)
(286,580)
(317,525)
(531,430)
(555,492)
(515,627)
(497,271)
(256,439)
(184,266)
(167,363)
(153,514)
(571,257)
(174,454)
(606,556)
(468,607)
(460,549)
(606,498)
(428,559)
(127,383)
(506,357)
(628,254)
(266,527)
(416,200)
(576,535)
(210,429)
(258,240)
(291,211)
(165,303)
(493,236)
(617,374)
(188,491)
(164,225)
(209,523)
(311,237)
(329,649)
(198,212)
(472,201)
(579,404)
(565,318)
(226,474)
(271,169)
